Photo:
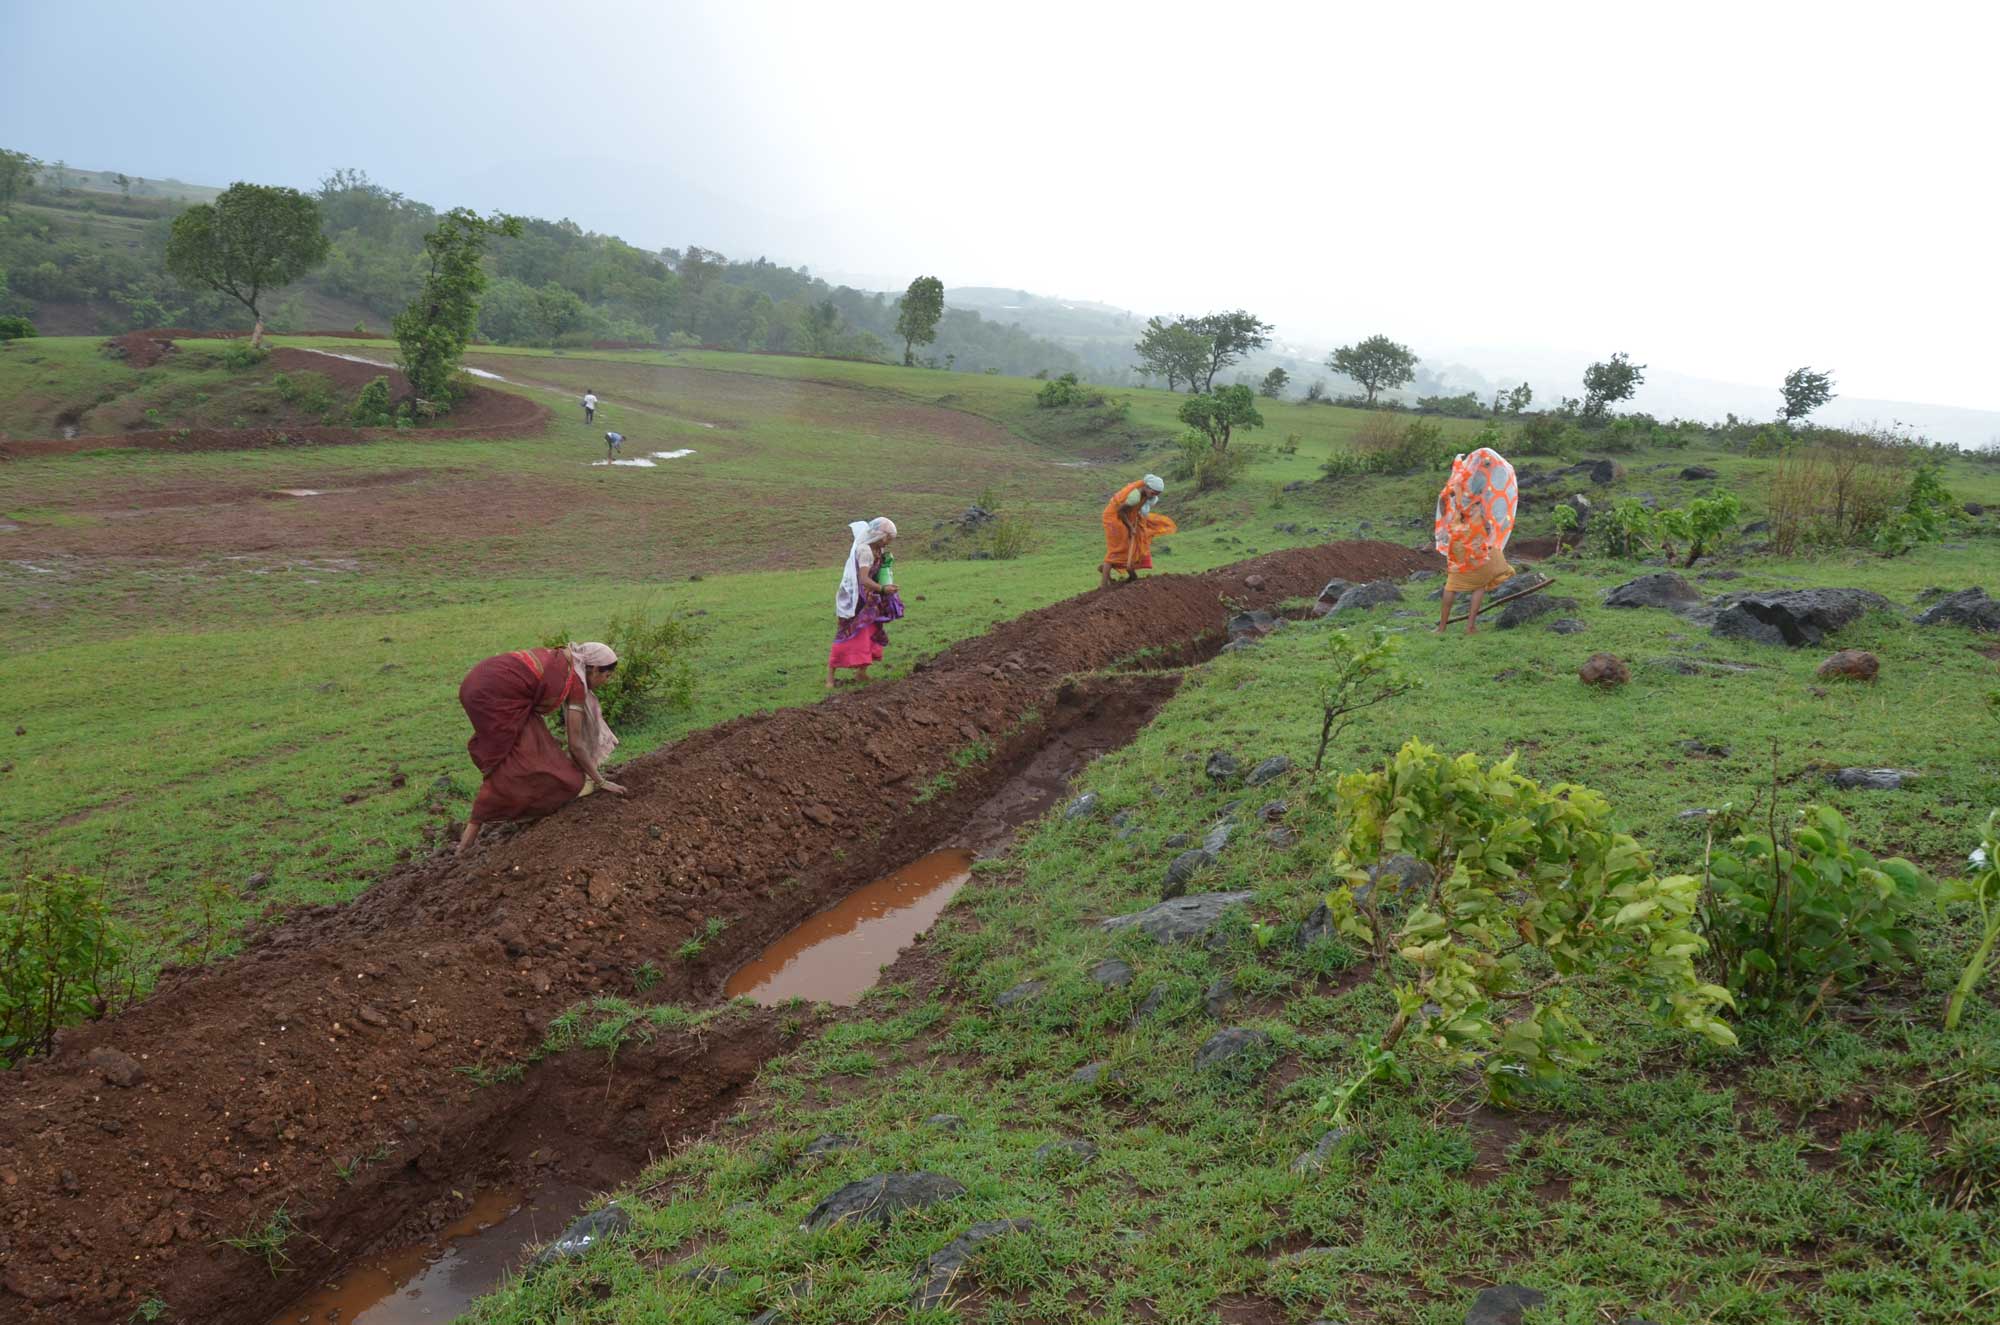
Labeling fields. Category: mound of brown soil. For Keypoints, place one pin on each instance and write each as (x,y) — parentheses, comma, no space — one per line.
(341,1032)
(141,349)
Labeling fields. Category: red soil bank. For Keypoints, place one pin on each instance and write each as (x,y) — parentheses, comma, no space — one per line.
(340,1031)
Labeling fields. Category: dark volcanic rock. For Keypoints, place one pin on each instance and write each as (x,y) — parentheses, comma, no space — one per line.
(1231,1048)
(1872,779)
(945,1267)
(1181,919)
(582,1234)
(1968,607)
(1071,1152)
(1020,993)
(1112,973)
(1274,767)
(830,1144)
(1521,611)
(1222,768)
(1697,472)
(1372,594)
(1185,867)
(1082,807)
(875,1200)
(1660,589)
(1503,1305)
(116,1067)
(1312,1161)
(1794,618)
(1568,626)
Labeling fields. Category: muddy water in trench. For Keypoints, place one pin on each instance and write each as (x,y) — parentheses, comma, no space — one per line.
(436,1281)
(837,955)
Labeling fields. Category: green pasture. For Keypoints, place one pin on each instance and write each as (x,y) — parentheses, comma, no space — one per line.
(1816,1174)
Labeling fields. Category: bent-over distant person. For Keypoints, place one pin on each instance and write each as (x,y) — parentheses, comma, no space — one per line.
(613,441)
(1130,526)
(589,407)
(524,773)
(1475,517)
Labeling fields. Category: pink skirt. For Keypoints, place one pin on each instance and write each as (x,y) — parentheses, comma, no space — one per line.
(861,649)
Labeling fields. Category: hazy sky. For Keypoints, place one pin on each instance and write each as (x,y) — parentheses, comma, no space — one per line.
(1727,190)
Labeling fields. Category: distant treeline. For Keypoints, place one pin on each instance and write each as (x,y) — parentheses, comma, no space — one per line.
(556,284)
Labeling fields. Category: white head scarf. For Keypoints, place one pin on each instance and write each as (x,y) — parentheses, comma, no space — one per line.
(1155,485)
(848,600)
(593,733)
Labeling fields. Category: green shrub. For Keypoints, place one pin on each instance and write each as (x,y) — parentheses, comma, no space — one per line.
(16,328)
(1925,515)
(1794,919)
(654,673)
(1534,906)
(240,355)
(373,408)
(1066,393)
(1387,445)
(311,393)
(63,956)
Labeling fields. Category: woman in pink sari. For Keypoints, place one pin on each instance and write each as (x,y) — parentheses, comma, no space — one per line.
(863,605)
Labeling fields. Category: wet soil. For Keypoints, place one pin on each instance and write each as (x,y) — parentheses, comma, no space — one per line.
(343,1031)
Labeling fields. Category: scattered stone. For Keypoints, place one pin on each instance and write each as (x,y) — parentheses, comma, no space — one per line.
(1185,867)
(945,1122)
(1661,589)
(1568,626)
(257,882)
(582,1235)
(1082,807)
(1312,1161)
(1604,669)
(1228,1048)
(1330,593)
(1112,973)
(1974,508)
(1599,472)
(1218,996)
(1253,581)
(1281,837)
(1968,607)
(1218,838)
(1149,1005)
(1179,919)
(1254,625)
(1178,842)
(1695,473)
(1720,575)
(876,1199)
(1272,811)
(1092,1073)
(1852,664)
(819,814)
(116,1067)
(1078,1151)
(1503,1305)
(1402,876)
(1520,611)
(1222,768)
(368,1016)
(1020,993)
(832,1143)
(1372,594)
(1274,767)
(1704,750)
(1684,666)
(943,1269)
(1873,779)
(1795,618)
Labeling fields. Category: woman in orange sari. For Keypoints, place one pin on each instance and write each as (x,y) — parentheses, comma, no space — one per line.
(1475,516)
(1130,526)
(526,774)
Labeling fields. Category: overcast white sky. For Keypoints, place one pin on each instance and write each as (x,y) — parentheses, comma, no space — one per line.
(1725,190)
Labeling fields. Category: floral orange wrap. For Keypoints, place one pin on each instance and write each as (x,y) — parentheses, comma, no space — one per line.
(1475,516)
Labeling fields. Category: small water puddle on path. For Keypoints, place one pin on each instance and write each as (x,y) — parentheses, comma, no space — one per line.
(424,1285)
(838,954)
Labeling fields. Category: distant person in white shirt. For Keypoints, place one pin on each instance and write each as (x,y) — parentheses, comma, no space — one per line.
(589,407)
(612,441)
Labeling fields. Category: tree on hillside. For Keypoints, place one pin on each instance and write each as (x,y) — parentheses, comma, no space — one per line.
(253,239)
(59,176)
(17,173)
(1518,400)
(124,183)
(1173,350)
(917,315)
(558,312)
(1804,391)
(1614,379)
(431,333)
(1374,363)
(1230,337)
(1274,384)
(821,327)
(1218,413)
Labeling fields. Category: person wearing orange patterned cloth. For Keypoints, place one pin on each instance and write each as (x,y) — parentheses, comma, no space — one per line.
(1475,516)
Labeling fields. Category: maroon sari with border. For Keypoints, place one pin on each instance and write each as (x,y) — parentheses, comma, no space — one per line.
(527,774)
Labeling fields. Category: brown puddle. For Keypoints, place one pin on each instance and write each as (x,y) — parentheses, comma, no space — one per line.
(835,956)
(435,1282)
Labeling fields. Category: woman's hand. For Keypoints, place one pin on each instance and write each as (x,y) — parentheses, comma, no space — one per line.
(612,787)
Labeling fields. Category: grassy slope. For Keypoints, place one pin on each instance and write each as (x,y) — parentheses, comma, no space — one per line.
(1799,1179)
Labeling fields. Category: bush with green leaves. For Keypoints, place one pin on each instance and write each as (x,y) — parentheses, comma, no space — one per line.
(654,673)
(1066,392)
(1628,528)
(63,957)
(1217,414)
(310,392)
(16,328)
(1385,446)
(1535,905)
(1196,461)
(1924,516)
(1361,672)
(241,355)
(373,407)
(1793,916)
(1982,890)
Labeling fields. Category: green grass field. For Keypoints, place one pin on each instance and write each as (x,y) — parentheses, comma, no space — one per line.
(212,682)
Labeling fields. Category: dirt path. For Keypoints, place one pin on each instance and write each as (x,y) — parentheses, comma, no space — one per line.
(243,1088)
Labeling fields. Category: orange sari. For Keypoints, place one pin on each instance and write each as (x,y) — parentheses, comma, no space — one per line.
(1118,539)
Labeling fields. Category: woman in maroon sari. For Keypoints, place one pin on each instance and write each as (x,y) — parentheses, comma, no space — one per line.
(526,773)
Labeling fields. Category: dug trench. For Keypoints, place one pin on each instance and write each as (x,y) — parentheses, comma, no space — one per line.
(354,1067)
